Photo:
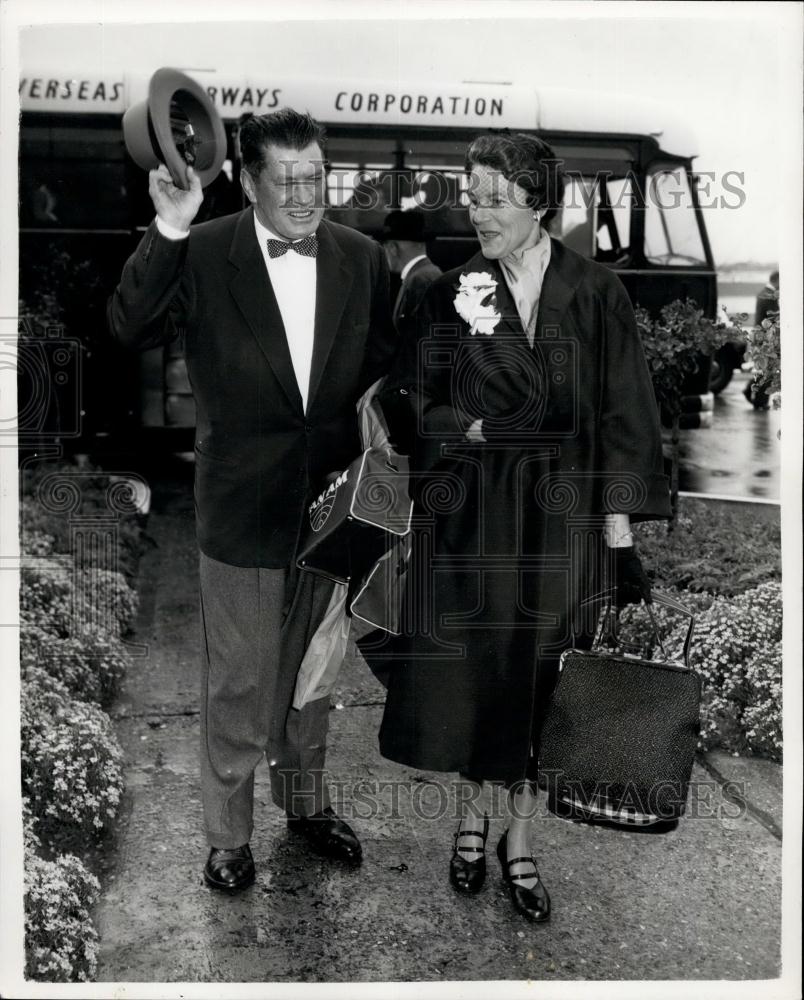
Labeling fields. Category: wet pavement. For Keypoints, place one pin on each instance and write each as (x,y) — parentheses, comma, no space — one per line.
(739,455)
(700,903)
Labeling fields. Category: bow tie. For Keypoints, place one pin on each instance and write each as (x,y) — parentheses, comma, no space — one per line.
(307,247)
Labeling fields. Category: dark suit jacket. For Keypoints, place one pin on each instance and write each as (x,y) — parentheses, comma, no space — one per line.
(417,281)
(767,301)
(259,457)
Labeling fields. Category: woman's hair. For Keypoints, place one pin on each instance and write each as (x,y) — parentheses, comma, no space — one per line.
(525,159)
(287,128)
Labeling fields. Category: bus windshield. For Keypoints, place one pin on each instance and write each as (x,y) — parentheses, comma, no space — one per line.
(672,235)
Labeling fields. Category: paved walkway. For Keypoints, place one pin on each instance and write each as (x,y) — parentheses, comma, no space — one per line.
(702,902)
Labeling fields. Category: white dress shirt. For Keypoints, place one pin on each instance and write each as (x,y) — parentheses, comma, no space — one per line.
(293,279)
(410,265)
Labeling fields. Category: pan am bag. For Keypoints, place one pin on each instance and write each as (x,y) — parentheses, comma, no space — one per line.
(351,525)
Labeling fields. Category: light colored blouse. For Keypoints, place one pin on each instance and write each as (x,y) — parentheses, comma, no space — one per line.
(524,274)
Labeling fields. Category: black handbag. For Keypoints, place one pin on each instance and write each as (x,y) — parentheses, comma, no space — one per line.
(619,738)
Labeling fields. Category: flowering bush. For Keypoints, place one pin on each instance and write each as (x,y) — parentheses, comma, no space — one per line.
(110,597)
(36,520)
(765,351)
(91,664)
(29,836)
(71,760)
(56,599)
(39,544)
(43,696)
(72,615)
(673,345)
(737,652)
(46,595)
(60,940)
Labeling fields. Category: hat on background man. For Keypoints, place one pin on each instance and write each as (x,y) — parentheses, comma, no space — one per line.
(404,226)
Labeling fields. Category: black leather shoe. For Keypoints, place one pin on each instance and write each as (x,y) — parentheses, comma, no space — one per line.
(230,870)
(534,903)
(464,875)
(328,835)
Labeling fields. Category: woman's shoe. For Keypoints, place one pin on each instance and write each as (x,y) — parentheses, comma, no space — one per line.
(468,876)
(534,903)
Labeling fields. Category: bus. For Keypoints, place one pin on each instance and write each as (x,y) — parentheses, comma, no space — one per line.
(631,202)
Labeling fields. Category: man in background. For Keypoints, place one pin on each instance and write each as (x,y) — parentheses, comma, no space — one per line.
(768,299)
(403,239)
(767,302)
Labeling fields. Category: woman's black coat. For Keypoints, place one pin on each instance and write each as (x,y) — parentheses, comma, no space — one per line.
(508,534)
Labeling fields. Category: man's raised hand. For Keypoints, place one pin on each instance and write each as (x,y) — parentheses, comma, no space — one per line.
(174,206)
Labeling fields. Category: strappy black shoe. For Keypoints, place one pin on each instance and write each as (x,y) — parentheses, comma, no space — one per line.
(533,903)
(468,876)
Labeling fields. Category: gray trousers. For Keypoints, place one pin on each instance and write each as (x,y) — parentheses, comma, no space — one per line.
(255,627)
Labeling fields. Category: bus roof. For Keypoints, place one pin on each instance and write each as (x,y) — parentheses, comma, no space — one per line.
(563,109)
(367,102)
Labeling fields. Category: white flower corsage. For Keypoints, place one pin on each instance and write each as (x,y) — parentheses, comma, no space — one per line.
(476,302)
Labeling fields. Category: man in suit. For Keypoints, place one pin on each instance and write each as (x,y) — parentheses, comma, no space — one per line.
(767,302)
(285,321)
(768,299)
(403,240)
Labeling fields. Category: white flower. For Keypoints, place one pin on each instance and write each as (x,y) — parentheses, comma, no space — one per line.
(476,302)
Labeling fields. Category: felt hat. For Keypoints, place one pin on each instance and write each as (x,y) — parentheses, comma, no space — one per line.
(404,226)
(177,125)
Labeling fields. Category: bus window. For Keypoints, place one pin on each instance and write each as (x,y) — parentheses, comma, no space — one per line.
(369,177)
(360,185)
(355,185)
(359,195)
(427,153)
(441,185)
(80,177)
(574,222)
(672,235)
(74,178)
(595,217)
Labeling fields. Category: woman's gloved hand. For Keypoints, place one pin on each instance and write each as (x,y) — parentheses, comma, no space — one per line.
(631,584)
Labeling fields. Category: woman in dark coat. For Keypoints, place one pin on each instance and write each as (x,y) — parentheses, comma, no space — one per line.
(528,407)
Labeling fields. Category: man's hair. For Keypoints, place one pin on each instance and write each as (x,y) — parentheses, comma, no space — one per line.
(287,128)
(525,159)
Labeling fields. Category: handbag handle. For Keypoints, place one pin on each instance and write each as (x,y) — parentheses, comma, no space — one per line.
(658,597)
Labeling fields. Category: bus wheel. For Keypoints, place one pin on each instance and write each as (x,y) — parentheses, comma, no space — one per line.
(721,371)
